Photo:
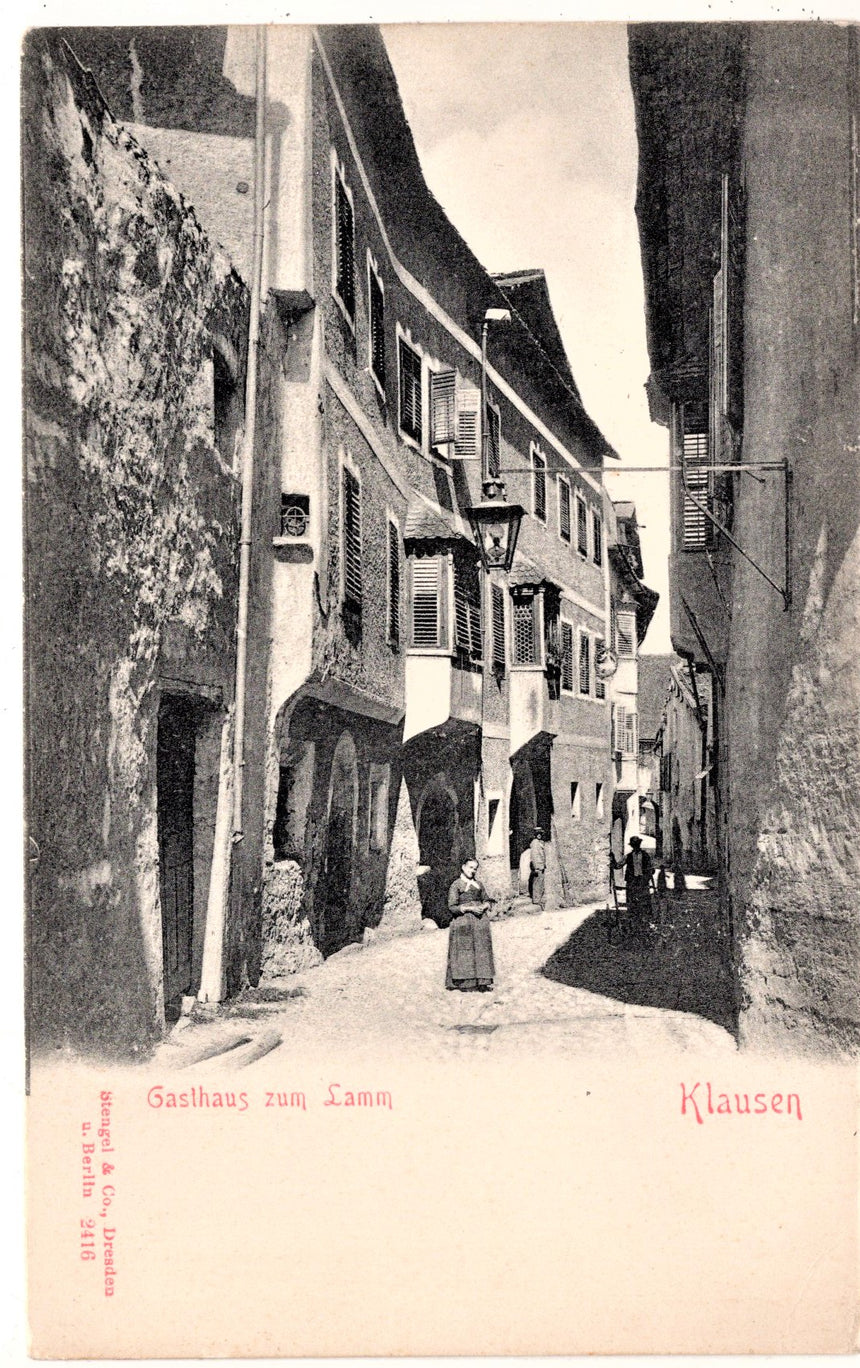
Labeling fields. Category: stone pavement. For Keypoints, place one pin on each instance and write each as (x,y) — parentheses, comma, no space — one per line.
(389,999)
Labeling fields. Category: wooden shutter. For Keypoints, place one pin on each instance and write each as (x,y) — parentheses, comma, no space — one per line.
(566,656)
(619,723)
(442,407)
(345,238)
(581,527)
(599,681)
(539,485)
(410,391)
(499,651)
(393,583)
(625,627)
(467,608)
(494,442)
(377,329)
(584,665)
(468,438)
(597,529)
(564,510)
(629,746)
(698,529)
(352,575)
(425,601)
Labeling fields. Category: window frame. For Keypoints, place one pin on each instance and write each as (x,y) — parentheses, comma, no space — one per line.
(597,537)
(566,622)
(581,513)
(393,638)
(630,614)
(583,636)
(442,644)
(538,647)
(347,466)
(374,276)
(338,179)
(599,684)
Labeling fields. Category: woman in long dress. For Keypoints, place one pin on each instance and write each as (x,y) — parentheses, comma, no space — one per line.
(470,945)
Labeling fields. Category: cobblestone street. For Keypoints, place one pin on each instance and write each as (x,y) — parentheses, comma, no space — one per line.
(561,984)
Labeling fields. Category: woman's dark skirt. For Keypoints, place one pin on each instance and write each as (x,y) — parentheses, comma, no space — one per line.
(470,954)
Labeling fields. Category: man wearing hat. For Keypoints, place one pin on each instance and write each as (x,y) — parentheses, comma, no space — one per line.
(637,877)
(537,874)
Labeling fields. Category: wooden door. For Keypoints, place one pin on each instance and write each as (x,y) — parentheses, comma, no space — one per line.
(175,779)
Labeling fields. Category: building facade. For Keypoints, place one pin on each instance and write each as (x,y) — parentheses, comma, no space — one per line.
(401,707)
(747,205)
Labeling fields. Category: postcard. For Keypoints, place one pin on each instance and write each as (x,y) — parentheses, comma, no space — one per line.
(441,514)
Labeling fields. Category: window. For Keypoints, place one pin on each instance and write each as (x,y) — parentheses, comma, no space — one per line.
(377,805)
(576,800)
(467,609)
(581,527)
(494,441)
(597,535)
(538,484)
(623,730)
(525,633)
(566,656)
(352,570)
(698,529)
(443,399)
(625,631)
(584,664)
(426,618)
(598,800)
(499,651)
(376,310)
(599,681)
(563,509)
(344,244)
(411,418)
(630,743)
(393,583)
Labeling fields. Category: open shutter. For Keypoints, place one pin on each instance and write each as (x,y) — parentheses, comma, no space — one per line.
(442,407)
(468,436)
(494,442)
(585,665)
(352,575)
(567,657)
(698,529)
(597,530)
(467,609)
(630,734)
(499,652)
(410,391)
(425,601)
(393,583)
(539,485)
(581,527)
(377,329)
(345,248)
(564,510)
(599,656)
(619,726)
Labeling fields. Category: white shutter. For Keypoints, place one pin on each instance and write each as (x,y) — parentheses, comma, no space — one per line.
(619,727)
(468,438)
(442,407)
(425,601)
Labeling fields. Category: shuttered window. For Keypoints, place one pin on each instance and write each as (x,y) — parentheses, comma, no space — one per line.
(377,326)
(597,534)
(525,638)
(352,580)
(698,530)
(625,630)
(443,396)
(426,625)
(539,484)
(467,609)
(563,509)
(494,442)
(629,747)
(566,656)
(599,681)
(581,527)
(499,651)
(344,229)
(393,583)
(619,714)
(584,664)
(410,391)
(468,437)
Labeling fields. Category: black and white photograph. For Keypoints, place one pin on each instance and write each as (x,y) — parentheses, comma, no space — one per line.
(441,505)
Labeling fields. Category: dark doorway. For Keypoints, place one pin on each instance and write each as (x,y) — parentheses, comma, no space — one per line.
(336,929)
(177,719)
(523,815)
(437,840)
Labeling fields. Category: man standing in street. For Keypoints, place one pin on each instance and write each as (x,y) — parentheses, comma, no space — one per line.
(537,875)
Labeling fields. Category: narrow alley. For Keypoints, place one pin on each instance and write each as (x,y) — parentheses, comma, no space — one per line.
(563,982)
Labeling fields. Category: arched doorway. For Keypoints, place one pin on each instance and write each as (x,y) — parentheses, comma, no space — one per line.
(523,815)
(438,841)
(335,927)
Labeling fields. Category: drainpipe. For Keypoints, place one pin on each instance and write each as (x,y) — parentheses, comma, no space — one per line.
(212,967)
(249,437)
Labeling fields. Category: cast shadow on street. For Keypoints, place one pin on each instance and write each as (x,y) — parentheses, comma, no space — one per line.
(680,962)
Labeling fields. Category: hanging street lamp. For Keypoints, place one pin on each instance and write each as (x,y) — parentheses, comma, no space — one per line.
(495,522)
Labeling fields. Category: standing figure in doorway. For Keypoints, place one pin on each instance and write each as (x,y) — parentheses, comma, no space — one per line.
(537,874)
(637,876)
(470,944)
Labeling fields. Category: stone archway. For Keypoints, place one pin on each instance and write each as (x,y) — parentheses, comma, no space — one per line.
(438,825)
(335,928)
